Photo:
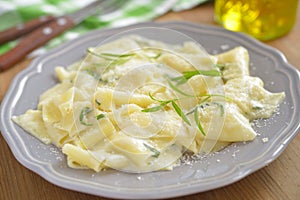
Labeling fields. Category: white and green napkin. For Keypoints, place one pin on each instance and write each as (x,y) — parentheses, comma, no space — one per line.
(13,12)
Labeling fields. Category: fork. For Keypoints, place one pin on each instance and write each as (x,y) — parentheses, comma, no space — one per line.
(39,31)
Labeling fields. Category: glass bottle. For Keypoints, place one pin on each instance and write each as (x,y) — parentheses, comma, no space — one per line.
(263,19)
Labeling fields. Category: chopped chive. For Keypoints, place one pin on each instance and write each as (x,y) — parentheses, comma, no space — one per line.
(98,55)
(204,102)
(160,106)
(221,67)
(118,55)
(156,108)
(155,151)
(153,98)
(257,108)
(180,113)
(153,109)
(97,102)
(197,120)
(110,56)
(216,95)
(178,90)
(161,101)
(100,116)
(189,74)
(180,80)
(155,56)
(207,97)
(93,73)
(118,61)
(222,111)
(83,114)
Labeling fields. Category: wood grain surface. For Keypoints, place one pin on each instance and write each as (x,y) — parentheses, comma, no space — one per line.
(279,180)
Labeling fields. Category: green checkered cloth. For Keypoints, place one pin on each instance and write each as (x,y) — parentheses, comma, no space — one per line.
(13,12)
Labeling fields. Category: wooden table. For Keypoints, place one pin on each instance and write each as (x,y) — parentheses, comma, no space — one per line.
(279,180)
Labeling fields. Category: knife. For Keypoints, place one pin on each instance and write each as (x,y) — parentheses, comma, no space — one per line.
(40,31)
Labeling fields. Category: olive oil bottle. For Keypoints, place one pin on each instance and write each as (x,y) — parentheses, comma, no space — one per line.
(263,19)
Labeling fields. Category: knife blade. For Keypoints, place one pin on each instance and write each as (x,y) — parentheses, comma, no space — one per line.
(54,27)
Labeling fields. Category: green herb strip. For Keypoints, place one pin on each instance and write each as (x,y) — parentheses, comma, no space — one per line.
(196,113)
(110,56)
(99,55)
(257,108)
(163,104)
(189,74)
(155,56)
(82,117)
(100,116)
(93,74)
(222,110)
(178,90)
(154,99)
(116,59)
(97,102)
(155,151)
(197,120)
(221,67)
(160,106)
(118,55)
(180,113)
(155,108)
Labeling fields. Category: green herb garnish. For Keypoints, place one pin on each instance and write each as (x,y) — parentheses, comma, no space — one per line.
(117,55)
(222,110)
(155,56)
(197,121)
(159,107)
(175,88)
(97,102)
(257,108)
(180,113)
(155,151)
(189,74)
(83,114)
(116,59)
(163,103)
(155,108)
(204,102)
(110,56)
(201,106)
(100,116)
(93,74)
(221,67)
(120,61)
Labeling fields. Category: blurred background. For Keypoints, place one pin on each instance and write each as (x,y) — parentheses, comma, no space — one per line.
(262,19)
(121,13)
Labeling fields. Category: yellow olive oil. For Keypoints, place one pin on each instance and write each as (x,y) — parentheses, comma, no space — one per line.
(263,19)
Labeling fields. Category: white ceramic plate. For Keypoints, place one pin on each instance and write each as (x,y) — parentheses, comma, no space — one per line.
(223,168)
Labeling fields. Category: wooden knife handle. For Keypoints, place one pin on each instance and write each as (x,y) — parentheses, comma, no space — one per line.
(23,29)
(34,40)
